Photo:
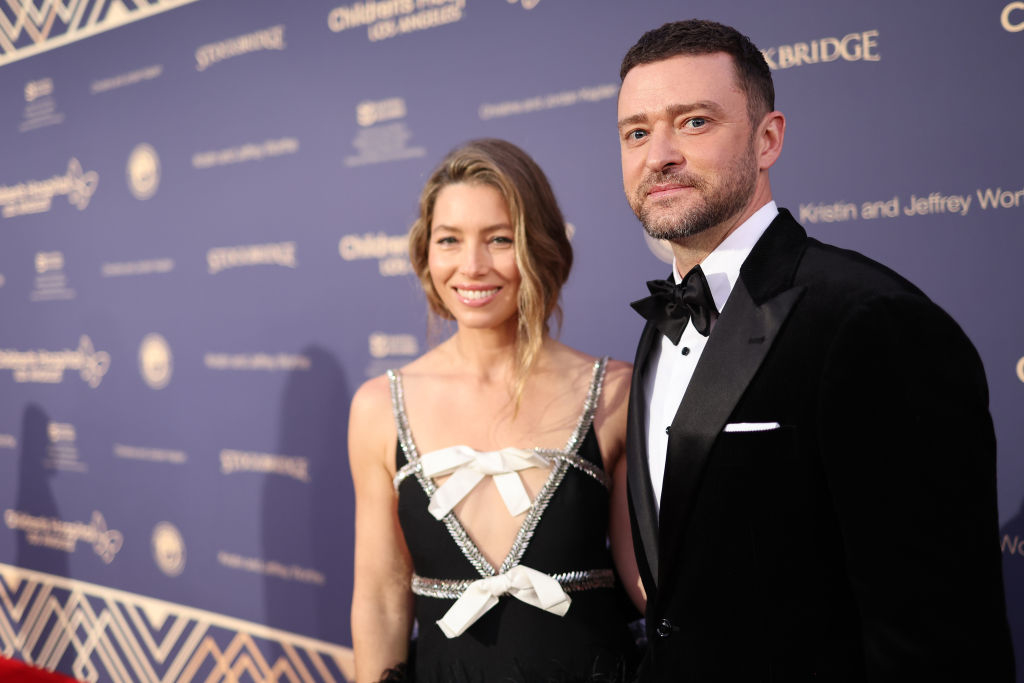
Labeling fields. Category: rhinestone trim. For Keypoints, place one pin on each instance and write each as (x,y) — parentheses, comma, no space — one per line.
(558,470)
(562,460)
(455,529)
(452,589)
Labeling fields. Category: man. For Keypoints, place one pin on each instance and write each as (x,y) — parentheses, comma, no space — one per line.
(811,457)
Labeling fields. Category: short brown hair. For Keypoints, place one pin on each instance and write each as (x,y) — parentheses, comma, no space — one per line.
(700,37)
(542,249)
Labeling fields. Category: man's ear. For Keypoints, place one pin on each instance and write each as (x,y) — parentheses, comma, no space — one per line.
(768,141)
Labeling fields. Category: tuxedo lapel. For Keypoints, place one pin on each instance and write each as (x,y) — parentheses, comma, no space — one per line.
(641,493)
(752,317)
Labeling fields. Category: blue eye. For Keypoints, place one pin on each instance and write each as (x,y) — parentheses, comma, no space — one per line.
(696,122)
(636,134)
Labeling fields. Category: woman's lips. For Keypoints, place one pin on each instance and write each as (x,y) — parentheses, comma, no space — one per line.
(475,296)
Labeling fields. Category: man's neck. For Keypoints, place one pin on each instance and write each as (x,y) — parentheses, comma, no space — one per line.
(691,251)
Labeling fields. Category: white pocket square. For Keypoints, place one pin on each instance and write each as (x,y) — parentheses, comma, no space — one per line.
(752,426)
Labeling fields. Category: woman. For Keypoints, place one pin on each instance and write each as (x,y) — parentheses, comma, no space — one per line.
(499,553)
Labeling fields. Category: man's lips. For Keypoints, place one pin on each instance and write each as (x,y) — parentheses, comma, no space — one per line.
(663,189)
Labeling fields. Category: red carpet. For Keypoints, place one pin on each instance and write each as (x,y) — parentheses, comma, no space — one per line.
(12,671)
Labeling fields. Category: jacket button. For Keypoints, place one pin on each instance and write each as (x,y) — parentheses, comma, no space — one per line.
(664,629)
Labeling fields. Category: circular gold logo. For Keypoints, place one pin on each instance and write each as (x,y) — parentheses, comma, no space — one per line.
(143,171)
(1010,17)
(168,549)
(1020,369)
(155,361)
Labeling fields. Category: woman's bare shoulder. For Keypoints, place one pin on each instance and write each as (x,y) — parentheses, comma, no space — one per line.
(372,396)
(568,358)
(371,426)
(617,377)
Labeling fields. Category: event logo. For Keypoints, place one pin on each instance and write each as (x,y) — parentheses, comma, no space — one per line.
(36,196)
(47,261)
(51,283)
(377,144)
(168,455)
(251,151)
(385,345)
(41,25)
(268,362)
(61,432)
(40,106)
(385,19)
(36,89)
(155,361)
(369,113)
(267,39)
(147,73)
(1012,545)
(47,367)
(280,570)
(527,4)
(143,171)
(853,47)
(51,532)
(1020,369)
(276,254)
(1012,17)
(144,267)
(168,549)
(8,441)
(296,467)
(918,204)
(555,100)
(390,251)
(62,452)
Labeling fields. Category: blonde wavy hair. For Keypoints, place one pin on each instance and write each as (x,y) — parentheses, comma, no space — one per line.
(542,250)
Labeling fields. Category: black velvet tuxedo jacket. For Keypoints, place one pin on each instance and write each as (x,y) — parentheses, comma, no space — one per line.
(858,541)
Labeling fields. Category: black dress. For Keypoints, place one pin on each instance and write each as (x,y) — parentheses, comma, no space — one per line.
(563,536)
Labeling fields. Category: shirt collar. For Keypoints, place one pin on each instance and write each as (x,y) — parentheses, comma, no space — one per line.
(722,266)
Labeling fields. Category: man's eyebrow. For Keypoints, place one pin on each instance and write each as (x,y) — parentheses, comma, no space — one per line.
(675,110)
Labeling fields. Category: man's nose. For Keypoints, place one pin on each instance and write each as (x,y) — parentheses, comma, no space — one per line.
(664,150)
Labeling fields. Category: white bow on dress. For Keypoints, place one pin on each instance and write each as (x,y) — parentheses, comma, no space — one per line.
(468,467)
(529,585)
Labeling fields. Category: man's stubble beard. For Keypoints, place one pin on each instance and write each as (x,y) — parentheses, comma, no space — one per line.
(719,203)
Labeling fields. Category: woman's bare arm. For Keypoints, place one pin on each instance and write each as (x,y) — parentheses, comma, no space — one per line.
(382,600)
(611,426)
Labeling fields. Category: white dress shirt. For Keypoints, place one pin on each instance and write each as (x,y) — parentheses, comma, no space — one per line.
(670,366)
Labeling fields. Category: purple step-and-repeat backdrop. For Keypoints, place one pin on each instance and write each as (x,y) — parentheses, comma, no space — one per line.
(202,215)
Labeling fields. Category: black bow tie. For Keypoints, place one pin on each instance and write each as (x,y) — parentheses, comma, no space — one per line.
(670,306)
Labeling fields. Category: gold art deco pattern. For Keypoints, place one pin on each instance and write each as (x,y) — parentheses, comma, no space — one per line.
(111,635)
(29,27)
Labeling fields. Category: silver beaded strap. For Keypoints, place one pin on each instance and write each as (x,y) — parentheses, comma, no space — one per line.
(452,589)
(558,471)
(585,466)
(408,469)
